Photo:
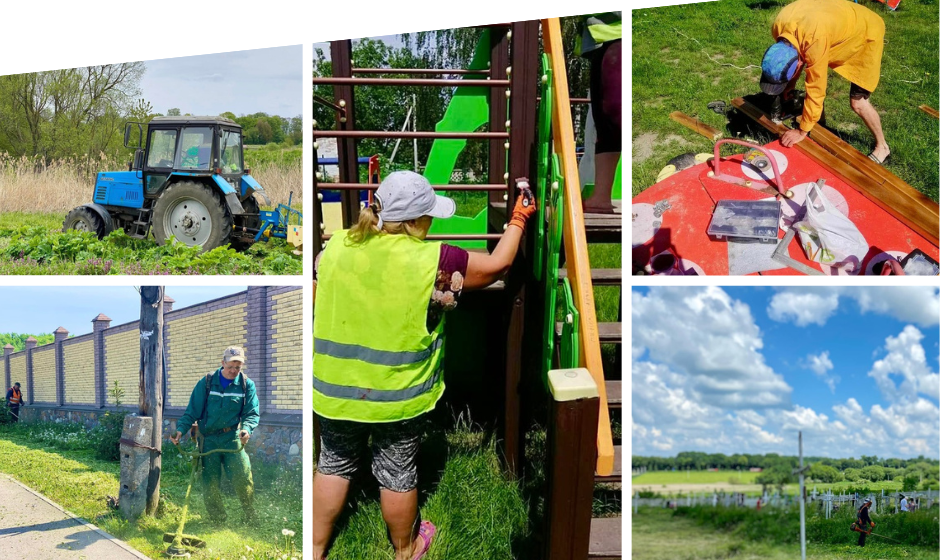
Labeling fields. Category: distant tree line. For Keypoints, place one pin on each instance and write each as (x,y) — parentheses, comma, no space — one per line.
(19,341)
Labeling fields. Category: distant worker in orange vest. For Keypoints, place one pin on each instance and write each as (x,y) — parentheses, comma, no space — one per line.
(815,35)
(14,401)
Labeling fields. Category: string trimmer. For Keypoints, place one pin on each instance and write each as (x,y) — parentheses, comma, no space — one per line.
(181,544)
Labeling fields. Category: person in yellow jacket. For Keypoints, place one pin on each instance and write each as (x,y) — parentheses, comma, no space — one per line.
(815,35)
(378,347)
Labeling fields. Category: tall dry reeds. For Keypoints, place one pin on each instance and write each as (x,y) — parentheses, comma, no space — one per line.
(33,185)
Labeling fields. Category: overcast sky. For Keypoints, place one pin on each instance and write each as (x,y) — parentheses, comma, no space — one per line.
(741,370)
(41,310)
(243,82)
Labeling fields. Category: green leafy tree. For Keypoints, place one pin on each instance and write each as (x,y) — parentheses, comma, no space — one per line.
(776,476)
(18,341)
(824,473)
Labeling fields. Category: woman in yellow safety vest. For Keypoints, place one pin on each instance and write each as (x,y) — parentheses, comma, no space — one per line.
(378,329)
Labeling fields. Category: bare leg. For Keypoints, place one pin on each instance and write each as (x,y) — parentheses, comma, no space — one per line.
(605,167)
(329,496)
(400,510)
(864,109)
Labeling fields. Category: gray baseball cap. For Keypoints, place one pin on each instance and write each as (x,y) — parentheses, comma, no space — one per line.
(405,195)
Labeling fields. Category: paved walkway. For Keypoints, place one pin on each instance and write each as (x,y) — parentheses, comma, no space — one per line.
(34,528)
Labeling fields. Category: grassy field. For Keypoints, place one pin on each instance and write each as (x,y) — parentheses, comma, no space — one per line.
(82,483)
(686,56)
(659,535)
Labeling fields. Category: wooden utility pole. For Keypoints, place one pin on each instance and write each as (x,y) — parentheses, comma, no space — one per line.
(151,382)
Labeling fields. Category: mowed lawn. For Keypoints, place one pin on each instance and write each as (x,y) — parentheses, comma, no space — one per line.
(686,56)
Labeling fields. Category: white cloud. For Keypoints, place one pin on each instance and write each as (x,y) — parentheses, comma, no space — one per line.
(821,365)
(815,305)
(907,361)
(713,341)
(803,308)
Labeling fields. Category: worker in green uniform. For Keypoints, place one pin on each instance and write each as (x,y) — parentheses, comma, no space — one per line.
(224,406)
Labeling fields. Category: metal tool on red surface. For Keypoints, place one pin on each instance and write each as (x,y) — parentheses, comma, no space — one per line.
(750,183)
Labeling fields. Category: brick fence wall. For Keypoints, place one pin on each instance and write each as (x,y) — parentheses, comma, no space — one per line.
(70,379)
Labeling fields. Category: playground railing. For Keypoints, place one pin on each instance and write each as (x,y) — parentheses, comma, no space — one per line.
(575,241)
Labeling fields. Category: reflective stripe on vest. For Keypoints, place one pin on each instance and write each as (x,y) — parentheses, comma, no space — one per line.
(374,359)
(599,29)
(16,398)
(372,356)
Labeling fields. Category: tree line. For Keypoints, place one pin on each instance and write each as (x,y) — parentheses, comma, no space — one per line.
(18,341)
(79,113)
(697,460)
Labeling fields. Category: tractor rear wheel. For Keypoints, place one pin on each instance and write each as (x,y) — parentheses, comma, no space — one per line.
(84,219)
(194,214)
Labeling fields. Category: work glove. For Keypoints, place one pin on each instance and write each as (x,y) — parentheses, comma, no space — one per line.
(525,204)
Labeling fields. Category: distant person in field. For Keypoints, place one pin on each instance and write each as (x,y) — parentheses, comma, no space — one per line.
(904,503)
(815,35)
(601,45)
(865,524)
(15,401)
(382,292)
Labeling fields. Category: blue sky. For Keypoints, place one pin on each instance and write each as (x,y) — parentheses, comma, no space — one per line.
(741,369)
(37,310)
(243,82)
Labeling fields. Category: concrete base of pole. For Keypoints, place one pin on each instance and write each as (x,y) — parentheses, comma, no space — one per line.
(135,466)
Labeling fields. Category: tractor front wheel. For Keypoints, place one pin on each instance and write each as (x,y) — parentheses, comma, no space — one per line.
(84,219)
(194,214)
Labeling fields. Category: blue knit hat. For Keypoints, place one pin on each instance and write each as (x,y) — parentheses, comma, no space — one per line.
(778,67)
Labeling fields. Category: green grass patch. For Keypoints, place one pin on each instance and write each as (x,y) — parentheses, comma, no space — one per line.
(35,244)
(681,57)
(479,514)
(659,534)
(82,484)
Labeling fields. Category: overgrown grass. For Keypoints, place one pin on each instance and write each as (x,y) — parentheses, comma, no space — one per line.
(35,244)
(681,57)
(660,535)
(478,512)
(80,483)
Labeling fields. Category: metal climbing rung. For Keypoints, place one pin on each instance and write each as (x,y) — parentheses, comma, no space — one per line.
(424,71)
(437,82)
(408,134)
(374,186)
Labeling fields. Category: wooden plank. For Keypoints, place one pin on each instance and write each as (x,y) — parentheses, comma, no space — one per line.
(885,196)
(575,237)
(615,475)
(604,228)
(695,125)
(930,111)
(606,538)
(599,276)
(610,333)
(847,153)
(614,393)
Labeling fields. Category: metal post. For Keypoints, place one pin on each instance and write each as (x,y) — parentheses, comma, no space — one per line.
(151,381)
(802,505)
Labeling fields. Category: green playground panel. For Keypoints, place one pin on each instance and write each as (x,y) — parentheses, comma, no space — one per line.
(542,182)
(570,325)
(616,191)
(467,111)
(554,215)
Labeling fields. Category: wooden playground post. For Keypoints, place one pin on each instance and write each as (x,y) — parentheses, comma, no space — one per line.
(346,151)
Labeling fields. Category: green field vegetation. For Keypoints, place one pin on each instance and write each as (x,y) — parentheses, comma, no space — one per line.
(719,533)
(82,483)
(35,244)
(695,477)
(686,56)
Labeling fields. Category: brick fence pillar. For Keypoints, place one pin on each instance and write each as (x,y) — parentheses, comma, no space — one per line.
(257,350)
(99,325)
(60,335)
(7,350)
(30,344)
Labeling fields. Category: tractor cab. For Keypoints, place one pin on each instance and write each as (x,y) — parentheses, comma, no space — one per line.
(187,180)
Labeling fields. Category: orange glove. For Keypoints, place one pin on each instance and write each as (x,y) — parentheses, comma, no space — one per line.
(525,204)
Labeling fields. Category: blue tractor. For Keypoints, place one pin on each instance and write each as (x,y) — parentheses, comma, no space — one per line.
(188,181)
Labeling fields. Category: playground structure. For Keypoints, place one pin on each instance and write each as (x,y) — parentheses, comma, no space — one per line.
(511,326)
(671,219)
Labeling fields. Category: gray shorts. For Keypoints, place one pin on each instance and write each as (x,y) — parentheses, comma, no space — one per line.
(394,450)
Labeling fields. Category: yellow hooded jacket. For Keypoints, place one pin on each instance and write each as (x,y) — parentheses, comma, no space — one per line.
(844,36)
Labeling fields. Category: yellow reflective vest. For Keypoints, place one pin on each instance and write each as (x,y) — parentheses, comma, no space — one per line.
(373,357)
